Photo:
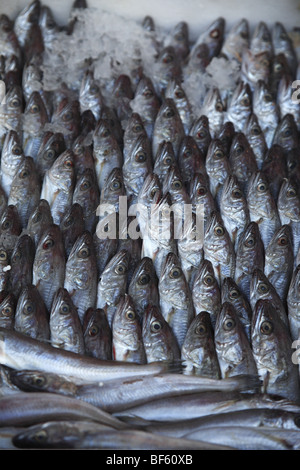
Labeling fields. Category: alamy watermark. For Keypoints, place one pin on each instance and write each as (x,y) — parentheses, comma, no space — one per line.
(296,93)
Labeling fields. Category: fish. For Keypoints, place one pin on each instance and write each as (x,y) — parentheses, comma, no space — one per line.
(137,166)
(266,109)
(279,260)
(26,17)
(164,159)
(25,190)
(206,291)
(83,153)
(198,352)
(214,109)
(213,36)
(21,264)
(201,197)
(32,80)
(86,193)
(175,297)
(288,204)
(271,344)
(255,67)
(231,293)
(52,145)
(226,134)
(167,126)
(129,240)
(286,133)
(106,151)
(143,287)
(250,255)
(4,270)
(127,342)
(239,107)
(178,38)
(35,120)
(262,207)
(90,95)
(283,44)
(190,159)
(292,300)
(262,289)
(146,103)
(48,272)
(261,39)
(23,352)
(236,40)
(242,160)
(275,168)
(112,284)
(80,274)
(7,310)
(285,102)
(11,157)
(65,324)
(176,92)
(58,185)
(105,247)
(97,334)
(11,112)
(72,226)
(31,315)
(174,186)
(166,67)
(200,131)
(217,167)
(39,220)
(10,228)
(218,248)
(159,340)
(234,209)
(232,345)
(66,119)
(48,25)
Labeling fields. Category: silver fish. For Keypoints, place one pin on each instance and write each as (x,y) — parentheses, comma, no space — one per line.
(255,67)
(240,106)
(143,287)
(256,139)
(11,157)
(201,197)
(167,126)
(190,159)
(31,315)
(35,119)
(178,37)
(166,67)
(137,166)
(242,160)
(214,109)
(288,204)
(283,44)
(49,264)
(293,304)
(200,131)
(217,167)
(164,159)
(177,93)
(7,310)
(72,226)
(261,39)
(39,220)
(271,343)
(236,40)
(285,103)
(198,351)
(21,262)
(52,145)
(86,193)
(65,325)
(26,17)
(266,109)
(231,293)
(90,95)
(213,36)
(146,103)
(97,334)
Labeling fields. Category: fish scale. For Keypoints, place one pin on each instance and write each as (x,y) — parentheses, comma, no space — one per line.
(161,132)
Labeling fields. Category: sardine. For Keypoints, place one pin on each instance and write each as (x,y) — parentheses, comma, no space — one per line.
(143,287)
(97,334)
(231,293)
(167,126)
(256,139)
(293,304)
(31,315)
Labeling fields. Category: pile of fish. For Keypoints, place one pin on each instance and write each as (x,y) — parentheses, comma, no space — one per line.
(114,335)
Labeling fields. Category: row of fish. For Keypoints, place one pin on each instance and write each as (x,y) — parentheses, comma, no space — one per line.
(119,333)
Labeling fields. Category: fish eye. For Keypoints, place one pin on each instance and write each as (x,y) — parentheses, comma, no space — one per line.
(291,192)
(179,94)
(179,36)
(17,256)
(243,35)
(256,130)
(215,33)
(245,101)
(137,128)
(234,294)
(201,191)
(48,244)
(28,308)
(67,116)
(37,217)
(283,36)
(208,280)
(130,314)
(266,327)
(219,106)
(85,185)
(202,134)
(35,109)
(219,154)
(3,255)
(268,97)
(50,154)
(69,221)
(239,149)
(297,421)
(120,269)
(278,67)
(262,187)
(168,160)
(175,273)
(250,242)
(237,193)
(156,326)
(169,113)
(263,288)
(229,324)
(265,62)
(68,163)
(16,102)
(93,330)
(219,230)
(287,132)
(39,380)
(115,185)
(265,37)
(282,241)
(168,59)
(177,184)
(148,93)
(6,224)
(94,89)
(84,252)
(153,192)
(141,157)
(24,174)
(17,150)
(78,149)
(7,311)
(40,436)
(64,308)
(200,329)
(144,279)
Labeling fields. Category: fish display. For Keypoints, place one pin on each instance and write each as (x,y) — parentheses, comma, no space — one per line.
(149,234)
